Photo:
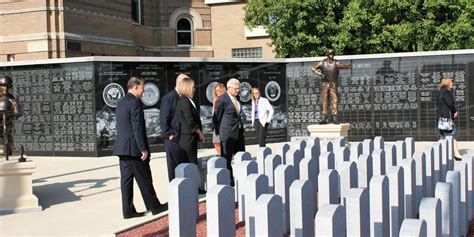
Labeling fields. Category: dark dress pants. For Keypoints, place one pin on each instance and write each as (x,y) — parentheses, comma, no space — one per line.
(188,147)
(228,149)
(172,156)
(134,167)
(261,133)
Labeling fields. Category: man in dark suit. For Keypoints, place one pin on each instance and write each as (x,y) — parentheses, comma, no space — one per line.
(228,123)
(170,128)
(131,145)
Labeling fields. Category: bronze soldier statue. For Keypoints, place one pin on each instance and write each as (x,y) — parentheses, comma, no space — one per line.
(14,112)
(328,70)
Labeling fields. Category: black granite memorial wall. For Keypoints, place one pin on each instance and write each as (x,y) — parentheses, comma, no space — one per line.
(69,108)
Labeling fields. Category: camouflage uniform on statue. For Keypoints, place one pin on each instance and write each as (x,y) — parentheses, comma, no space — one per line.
(5,85)
(328,70)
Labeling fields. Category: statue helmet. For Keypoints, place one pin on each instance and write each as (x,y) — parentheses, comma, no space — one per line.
(6,81)
(330,51)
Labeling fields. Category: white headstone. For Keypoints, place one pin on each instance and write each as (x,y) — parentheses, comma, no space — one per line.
(379,143)
(430,211)
(181,202)
(410,146)
(326,146)
(378,162)
(218,177)
(255,185)
(470,184)
(356,151)
(341,154)
(454,178)
(284,177)
(401,148)
(367,146)
(241,156)
(328,186)
(293,158)
(408,166)
(299,145)
(437,163)
(216,163)
(412,228)
(309,171)
(268,218)
(347,178)
(420,173)
(242,170)
(444,159)
(444,192)
(357,206)
(301,208)
(339,142)
(326,161)
(450,145)
(190,171)
(390,156)
(379,205)
(313,149)
(461,166)
(429,155)
(220,210)
(329,219)
(271,162)
(396,184)
(262,153)
(364,170)
(282,152)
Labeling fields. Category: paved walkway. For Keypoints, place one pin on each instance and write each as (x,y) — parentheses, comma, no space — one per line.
(81,196)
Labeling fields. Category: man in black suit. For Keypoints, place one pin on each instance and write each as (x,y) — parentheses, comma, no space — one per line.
(131,146)
(170,127)
(228,123)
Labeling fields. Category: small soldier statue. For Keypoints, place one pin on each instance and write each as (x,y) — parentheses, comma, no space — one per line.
(5,86)
(328,70)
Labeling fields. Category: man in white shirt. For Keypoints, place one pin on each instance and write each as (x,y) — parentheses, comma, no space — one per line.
(262,114)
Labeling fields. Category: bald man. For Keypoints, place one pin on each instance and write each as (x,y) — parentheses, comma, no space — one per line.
(170,129)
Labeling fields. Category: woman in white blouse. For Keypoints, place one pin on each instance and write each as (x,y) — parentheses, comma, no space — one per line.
(262,114)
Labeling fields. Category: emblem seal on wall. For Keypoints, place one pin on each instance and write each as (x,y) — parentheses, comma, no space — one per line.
(272,91)
(151,94)
(112,94)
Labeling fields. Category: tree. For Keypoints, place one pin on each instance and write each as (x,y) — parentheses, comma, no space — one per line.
(297,28)
(306,28)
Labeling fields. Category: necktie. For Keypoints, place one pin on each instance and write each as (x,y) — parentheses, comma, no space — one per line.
(234,101)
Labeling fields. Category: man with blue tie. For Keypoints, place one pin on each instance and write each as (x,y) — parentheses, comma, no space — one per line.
(170,128)
(131,146)
(228,123)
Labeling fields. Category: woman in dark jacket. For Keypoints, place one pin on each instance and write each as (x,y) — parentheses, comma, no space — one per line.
(190,122)
(447,112)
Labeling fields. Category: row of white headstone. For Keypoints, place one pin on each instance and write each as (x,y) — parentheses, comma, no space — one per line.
(323,188)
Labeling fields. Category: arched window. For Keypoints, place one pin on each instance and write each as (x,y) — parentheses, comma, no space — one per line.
(184,32)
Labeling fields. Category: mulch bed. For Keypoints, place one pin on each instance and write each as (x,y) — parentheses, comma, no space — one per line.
(159,227)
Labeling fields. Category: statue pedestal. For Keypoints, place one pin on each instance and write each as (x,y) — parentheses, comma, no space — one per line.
(329,131)
(16,192)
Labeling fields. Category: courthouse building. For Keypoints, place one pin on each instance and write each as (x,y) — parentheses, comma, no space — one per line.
(34,29)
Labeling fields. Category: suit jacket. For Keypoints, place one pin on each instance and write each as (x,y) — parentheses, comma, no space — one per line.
(169,122)
(131,131)
(188,116)
(226,119)
(265,111)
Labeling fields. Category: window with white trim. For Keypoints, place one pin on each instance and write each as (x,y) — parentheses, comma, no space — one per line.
(137,11)
(184,32)
(247,52)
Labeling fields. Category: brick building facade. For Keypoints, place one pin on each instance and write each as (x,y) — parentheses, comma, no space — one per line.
(33,29)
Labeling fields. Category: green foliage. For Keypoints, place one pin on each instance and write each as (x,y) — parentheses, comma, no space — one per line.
(301,28)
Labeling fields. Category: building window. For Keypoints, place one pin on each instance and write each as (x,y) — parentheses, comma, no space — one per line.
(10,57)
(184,32)
(137,13)
(247,53)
